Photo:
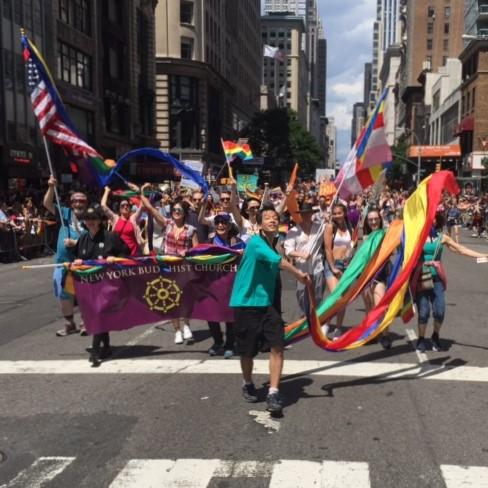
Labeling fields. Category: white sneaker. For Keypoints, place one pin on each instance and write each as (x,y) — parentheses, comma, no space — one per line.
(178,337)
(187,334)
(337,333)
(326,329)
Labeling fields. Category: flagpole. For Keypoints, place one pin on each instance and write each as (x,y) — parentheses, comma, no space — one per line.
(51,171)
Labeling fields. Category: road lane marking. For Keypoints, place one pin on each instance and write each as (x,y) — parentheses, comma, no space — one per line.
(292,368)
(156,473)
(42,471)
(465,476)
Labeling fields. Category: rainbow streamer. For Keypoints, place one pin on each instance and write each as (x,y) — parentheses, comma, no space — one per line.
(419,214)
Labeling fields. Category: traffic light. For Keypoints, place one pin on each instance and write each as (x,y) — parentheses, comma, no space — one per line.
(438,167)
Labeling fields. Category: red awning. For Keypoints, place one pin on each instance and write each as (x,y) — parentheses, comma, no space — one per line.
(466,125)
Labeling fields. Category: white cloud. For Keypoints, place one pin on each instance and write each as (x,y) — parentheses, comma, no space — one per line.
(342,115)
(348,90)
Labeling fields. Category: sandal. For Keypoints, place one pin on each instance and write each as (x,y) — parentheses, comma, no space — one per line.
(83,331)
(68,330)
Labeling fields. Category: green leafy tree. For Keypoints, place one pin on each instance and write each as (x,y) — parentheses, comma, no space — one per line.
(278,133)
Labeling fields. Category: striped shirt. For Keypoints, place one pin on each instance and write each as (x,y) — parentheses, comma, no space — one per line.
(177,243)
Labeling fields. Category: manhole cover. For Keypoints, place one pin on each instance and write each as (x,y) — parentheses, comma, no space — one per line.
(3,457)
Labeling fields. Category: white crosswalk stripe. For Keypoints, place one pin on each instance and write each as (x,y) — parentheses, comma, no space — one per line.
(465,476)
(198,473)
(42,471)
(261,366)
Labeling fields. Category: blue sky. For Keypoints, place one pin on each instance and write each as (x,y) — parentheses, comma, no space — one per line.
(348,28)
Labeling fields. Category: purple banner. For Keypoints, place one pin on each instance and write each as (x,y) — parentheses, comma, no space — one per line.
(118,298)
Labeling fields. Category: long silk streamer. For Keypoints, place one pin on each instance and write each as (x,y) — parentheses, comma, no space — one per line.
(419,214)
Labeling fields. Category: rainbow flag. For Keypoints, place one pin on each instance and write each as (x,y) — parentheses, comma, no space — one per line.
(54,122)
(369,156)
(232,149)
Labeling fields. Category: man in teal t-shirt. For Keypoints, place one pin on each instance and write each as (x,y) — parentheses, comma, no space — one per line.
(256,300)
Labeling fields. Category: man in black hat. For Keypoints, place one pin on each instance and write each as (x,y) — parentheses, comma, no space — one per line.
(304,244)
(97,243)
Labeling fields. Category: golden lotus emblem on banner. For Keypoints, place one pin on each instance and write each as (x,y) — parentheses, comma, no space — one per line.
(162,294)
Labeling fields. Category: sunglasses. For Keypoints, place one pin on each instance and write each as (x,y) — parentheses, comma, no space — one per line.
(78,200)
(196,200)
(253,208)
(124,205)
(177,210)
(221,221)
(225,199)
(374,219)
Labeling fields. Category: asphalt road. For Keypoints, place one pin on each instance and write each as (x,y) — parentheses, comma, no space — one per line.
(164,415)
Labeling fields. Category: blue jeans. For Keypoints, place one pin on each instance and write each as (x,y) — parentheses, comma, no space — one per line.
(434,298)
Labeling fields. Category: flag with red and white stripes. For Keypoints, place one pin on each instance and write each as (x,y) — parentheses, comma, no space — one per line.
(54,122)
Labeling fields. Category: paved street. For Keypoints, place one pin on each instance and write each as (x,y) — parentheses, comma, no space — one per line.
(160,415)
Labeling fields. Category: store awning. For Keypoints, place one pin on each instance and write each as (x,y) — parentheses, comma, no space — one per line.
(447,151)
(466,125)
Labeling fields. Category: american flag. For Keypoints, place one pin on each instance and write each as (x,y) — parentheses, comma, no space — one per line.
(51,114)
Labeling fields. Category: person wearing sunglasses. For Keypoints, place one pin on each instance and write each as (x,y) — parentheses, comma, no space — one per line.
(225,236)
(125,223)
(228,201)
(376,290)
(250,226)
(71,229)
(196,202)
(97,243)
(179,237)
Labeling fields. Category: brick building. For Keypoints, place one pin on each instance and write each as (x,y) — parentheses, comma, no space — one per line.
(473,128)
(433,31)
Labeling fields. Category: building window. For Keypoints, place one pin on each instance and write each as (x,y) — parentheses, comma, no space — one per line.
(184,120)
(444,60)
(447,12)
(473,95)
(429,59)
(76,13)
(430,28)
(430,11)
(83,121)
(429,44)
(446,44)
(186,12)
(7,9)
(186,48)
(74,67)
(446,28)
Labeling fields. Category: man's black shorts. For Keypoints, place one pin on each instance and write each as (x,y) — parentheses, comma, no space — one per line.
(257,329)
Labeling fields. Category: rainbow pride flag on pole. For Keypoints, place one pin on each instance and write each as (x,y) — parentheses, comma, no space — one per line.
(54,122)
(369,156)
(232,149)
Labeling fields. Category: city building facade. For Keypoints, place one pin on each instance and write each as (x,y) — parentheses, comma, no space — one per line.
(289,80)
(331,156)
(358,121)
(208,74)
(434,32)
(476,17)
(315,48)
(473,127)
(101,56)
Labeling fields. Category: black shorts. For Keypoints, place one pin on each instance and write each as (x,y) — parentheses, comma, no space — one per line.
(257,329)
